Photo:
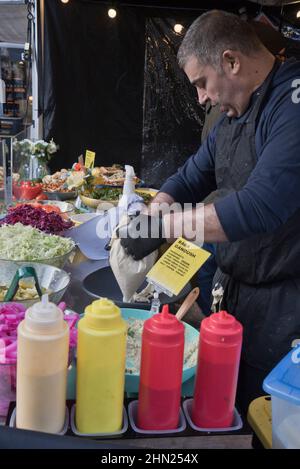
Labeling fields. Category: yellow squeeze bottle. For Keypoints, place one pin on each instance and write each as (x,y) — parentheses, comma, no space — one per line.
(101,357)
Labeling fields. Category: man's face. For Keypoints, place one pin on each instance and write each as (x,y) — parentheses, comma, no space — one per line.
(220,87)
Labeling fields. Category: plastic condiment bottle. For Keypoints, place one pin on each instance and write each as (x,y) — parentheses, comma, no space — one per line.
(128,187)
(155,303)
(101,357)
(42,364)
(219,353)
(161,372)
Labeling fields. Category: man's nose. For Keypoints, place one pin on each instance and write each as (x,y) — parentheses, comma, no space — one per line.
(202,96)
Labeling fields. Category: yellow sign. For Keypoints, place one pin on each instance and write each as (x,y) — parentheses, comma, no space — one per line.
(177,266)
(89,159)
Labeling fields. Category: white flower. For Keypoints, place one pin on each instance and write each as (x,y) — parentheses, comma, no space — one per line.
(39,148)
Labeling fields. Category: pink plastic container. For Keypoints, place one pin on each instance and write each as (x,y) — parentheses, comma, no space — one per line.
(7,386)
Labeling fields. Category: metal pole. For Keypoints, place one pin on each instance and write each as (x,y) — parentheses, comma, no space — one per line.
(7,152)
(37,126)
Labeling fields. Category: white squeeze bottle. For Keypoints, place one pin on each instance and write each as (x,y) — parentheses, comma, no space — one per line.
(128,187)
(42,363)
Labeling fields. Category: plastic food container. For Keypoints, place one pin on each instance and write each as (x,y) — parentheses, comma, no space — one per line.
(132,413)
(12,422)
(26,190)
(283,383)
(237,422)
(7,386)
(76,432)
(64,207)
(56,195)
(81,218)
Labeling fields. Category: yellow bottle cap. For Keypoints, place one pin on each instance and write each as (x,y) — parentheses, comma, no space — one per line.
(103,314)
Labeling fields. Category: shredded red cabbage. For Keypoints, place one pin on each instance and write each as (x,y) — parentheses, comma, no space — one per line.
(49,222)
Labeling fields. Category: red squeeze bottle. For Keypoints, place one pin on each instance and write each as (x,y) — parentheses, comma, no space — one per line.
(219,354)
(161,372)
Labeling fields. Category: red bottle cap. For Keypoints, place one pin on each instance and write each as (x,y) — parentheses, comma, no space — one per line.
(163,328)
(221,328)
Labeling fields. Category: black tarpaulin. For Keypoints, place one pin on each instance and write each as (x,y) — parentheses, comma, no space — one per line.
(114,87)
(173,119)
(93,83)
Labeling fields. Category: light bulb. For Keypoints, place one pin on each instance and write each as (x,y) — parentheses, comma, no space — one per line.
(64,1)
(178,28)
(298,14)
(112,13)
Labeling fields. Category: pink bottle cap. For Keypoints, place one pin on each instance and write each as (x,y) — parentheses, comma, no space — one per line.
(163,327)
(221,327)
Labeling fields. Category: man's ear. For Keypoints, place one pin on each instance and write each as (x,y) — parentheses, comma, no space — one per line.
(231,62)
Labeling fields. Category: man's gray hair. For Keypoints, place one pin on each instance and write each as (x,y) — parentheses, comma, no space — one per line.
(214,32)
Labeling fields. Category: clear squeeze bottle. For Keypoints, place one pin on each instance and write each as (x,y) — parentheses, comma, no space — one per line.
(42,364)
(219,353)
(101,356)
(161,372)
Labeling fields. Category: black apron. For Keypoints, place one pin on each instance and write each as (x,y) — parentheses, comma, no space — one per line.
(262,273)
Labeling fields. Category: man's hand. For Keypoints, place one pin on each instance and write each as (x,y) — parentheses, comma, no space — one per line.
(142,235)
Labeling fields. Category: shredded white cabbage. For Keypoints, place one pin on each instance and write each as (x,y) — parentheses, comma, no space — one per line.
(19,242)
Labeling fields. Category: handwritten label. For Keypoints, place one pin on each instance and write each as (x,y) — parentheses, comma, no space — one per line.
(89,159)
(177,266)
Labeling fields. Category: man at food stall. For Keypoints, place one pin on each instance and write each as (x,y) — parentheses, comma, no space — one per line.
(276,44)
(251,160)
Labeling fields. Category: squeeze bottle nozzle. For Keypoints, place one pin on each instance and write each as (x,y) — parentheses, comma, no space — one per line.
(44,316)
(165,311)
(128,188)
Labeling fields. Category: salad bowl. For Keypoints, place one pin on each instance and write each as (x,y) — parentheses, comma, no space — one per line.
(51,279)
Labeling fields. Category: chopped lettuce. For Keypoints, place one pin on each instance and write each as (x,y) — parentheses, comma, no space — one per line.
(19,242)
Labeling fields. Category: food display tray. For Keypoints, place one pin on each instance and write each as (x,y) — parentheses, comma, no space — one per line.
(131,434)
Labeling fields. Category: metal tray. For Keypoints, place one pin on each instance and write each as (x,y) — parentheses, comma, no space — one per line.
(102,283)
(61,195)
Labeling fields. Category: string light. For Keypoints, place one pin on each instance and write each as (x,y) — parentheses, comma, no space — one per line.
(298,14)
(178,28)
(112,13)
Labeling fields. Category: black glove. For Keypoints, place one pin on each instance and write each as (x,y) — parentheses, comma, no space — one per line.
(142,235)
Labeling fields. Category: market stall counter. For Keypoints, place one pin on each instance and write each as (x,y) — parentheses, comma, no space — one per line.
(76,298)
(185,439)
